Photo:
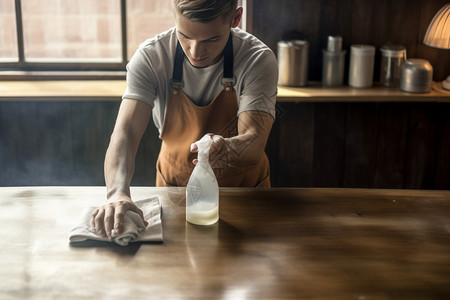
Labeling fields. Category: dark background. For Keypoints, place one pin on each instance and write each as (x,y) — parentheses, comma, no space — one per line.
(374,22)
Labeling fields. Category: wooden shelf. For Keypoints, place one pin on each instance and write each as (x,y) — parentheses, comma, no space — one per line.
(316,93)
(62,90)
(113,90)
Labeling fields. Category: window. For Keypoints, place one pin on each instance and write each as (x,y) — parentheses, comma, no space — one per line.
(8,33)
(76,35)
(146,19)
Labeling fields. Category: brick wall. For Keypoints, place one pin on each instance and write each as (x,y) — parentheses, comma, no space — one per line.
(8,41)
(81,29)
(146,19)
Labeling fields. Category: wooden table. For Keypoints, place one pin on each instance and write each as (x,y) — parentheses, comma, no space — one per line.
(268,244)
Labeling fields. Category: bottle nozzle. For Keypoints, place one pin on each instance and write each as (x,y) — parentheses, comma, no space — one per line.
(203,146)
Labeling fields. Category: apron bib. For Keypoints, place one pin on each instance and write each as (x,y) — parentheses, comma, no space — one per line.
(186,122)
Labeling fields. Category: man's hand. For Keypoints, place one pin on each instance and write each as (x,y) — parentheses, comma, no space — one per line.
(218,150)
(111,215)
(130,125)
(242,150)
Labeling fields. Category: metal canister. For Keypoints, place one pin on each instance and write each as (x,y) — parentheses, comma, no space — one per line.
(333,62)
(362,58)
(293,62)
(392,59)
(416,76)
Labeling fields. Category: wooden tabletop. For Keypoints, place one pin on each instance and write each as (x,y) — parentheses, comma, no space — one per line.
(269,244)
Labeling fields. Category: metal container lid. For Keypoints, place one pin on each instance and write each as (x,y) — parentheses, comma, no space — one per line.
(393,51)
(293,44)
(363,50)
(334,43)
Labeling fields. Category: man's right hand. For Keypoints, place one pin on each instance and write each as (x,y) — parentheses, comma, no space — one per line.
(111,216)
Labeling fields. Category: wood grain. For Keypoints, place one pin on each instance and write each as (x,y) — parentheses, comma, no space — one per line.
(360,144)
(268,244)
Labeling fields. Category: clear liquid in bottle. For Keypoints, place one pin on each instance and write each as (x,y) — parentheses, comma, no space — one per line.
(202,190)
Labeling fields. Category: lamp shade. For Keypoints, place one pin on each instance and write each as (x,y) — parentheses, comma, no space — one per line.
(438,32)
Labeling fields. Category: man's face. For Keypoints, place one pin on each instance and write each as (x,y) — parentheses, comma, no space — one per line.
(203,43)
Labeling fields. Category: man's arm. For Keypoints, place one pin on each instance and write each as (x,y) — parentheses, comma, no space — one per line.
(131,123)
(247,147)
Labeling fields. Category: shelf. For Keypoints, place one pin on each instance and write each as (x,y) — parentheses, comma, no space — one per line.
(62,90)
(316,93)
(112,90)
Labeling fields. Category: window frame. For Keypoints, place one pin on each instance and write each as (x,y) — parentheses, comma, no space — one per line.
(23,65)
(23,69)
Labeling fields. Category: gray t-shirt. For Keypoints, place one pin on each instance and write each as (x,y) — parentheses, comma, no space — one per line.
(255,69)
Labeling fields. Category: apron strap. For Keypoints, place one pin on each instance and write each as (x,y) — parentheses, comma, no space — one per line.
(177,75)
(228,61)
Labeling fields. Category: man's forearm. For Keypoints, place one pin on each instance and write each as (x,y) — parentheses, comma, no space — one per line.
(120,157)
(119,165)
(248,146)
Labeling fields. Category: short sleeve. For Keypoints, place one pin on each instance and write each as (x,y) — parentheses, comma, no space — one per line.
(141,79)
(259,86)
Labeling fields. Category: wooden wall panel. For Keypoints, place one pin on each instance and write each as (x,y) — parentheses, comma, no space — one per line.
(389,145)
(334,20)
(443,149)
(375,22)
(360,144)
(54,143)
(296,145)
(329,144)
(64,143)
(422,146)
(272,147)
(55,154)
(392,137)
(92,124)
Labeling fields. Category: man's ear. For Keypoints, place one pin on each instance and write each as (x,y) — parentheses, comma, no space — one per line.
(237,17)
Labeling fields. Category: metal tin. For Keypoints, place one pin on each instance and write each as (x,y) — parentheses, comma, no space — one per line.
(392,59)
(293,62)
(416,76)
(333,62)
(362,59)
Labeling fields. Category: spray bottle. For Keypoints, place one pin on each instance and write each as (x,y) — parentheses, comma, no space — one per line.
(202,190)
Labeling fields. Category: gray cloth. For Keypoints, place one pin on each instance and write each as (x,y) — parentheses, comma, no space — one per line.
(255,69)
(134,229)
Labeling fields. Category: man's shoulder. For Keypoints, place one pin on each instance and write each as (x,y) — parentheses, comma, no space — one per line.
(162,40)
(250,53)
(246,40)
(154,55)
(155,52)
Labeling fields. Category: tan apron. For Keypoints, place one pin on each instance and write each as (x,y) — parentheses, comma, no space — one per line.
(185,123)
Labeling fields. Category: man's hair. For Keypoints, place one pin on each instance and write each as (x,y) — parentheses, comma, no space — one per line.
(205,11)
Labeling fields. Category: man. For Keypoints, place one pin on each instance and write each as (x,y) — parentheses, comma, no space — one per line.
(225,88)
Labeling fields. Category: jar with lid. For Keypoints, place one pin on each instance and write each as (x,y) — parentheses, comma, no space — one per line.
(293,62)
(362,59)
(392,59)
(333,63)
(416,76)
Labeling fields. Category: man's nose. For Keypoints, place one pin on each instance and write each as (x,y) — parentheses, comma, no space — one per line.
(196,49)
